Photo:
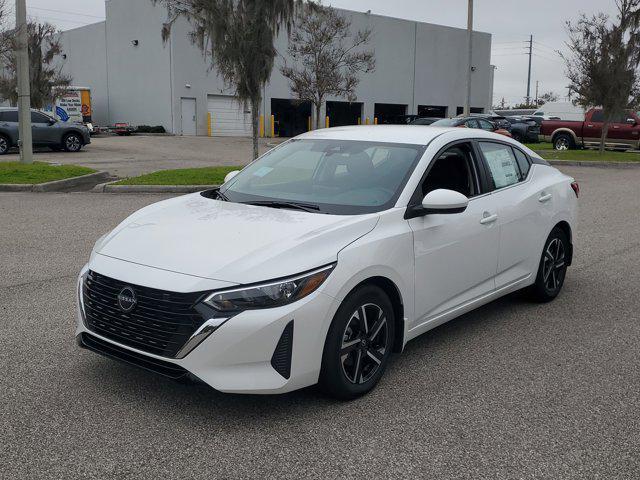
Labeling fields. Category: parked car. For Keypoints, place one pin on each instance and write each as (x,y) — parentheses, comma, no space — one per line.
(46,131)
(287,277)
(623,134)
(524,129)
(424,121)
(560,110)
(499,120)
(472,122)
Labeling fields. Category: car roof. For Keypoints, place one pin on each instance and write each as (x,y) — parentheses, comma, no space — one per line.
(408,134)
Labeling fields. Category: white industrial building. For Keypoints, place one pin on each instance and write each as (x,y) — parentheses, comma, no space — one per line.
(137,78)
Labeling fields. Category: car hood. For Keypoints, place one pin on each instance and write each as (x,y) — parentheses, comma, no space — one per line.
(231,242)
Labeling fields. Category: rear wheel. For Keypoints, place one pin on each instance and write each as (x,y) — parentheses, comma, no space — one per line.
(553,267)
(359,344)
(5,144)
(72,142)
(563,142)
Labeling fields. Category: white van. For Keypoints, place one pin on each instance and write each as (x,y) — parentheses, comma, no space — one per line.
(561,110)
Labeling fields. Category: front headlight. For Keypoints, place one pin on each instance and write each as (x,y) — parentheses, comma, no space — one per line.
(269,295)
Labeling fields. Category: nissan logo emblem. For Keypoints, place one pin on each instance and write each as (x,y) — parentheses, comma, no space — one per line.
(127,299)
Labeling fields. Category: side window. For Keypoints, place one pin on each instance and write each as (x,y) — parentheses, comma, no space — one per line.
(39,118)
(454,169)
(9,116)
(473,123)
(486,125)
(598,116)
(523,163)
(502,164)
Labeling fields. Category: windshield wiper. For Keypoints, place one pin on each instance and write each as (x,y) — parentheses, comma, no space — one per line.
(221,196)
(307,207)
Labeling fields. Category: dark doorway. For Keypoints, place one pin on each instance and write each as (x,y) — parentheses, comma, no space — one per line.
(343,113)
(291,117)
(460,110)
(434,111)
(390,113)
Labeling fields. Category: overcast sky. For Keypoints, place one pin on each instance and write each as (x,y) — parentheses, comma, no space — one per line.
(509,21)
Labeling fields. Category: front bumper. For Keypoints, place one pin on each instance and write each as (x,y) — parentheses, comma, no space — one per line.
(238,356)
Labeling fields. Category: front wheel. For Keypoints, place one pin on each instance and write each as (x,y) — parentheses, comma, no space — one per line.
(72,143)
(552,268)
(359,344)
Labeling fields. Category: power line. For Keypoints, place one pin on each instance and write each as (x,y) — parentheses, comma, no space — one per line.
(55,19)
(66,12)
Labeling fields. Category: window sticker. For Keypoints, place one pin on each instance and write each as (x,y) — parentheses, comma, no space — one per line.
(502,166)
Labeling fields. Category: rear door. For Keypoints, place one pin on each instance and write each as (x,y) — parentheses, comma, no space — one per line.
(524,209)
(592,130)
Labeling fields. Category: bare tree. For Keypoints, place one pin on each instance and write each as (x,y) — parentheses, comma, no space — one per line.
(547,97)
(602,67)
(46,78)
(237,37)
(328,59)
(6,43)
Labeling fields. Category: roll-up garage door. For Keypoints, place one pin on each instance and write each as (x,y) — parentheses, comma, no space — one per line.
(229,117)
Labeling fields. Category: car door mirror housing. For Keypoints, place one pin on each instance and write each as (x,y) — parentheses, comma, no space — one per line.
(230,175)
(440,201)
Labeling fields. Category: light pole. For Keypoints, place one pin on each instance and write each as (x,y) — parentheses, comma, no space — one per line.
(467,103)
(24,93)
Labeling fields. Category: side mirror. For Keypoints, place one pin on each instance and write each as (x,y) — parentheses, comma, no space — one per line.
(631,121)
(52,121)
(230,175)
(440,201)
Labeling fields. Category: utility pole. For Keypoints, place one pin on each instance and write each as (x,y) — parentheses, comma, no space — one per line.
(24,93)
(537,85)
(529,75)
(467,103)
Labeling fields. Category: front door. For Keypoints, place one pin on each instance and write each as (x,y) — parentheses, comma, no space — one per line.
(41,129)
(455,254)
(188,115)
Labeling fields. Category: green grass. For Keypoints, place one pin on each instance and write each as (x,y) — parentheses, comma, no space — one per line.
(539,146)
(182,176)
(38,172)
(590,155)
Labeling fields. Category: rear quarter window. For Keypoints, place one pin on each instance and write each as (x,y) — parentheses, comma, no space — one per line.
(523,163)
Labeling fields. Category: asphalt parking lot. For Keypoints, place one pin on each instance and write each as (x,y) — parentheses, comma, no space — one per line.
(139,154)
(513,390)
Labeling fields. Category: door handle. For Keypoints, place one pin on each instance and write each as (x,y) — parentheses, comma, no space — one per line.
(590,126)
(545,197)
(487,218)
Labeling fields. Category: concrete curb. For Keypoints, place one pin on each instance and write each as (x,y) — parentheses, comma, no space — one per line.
(56,185)
(110,188)
(587,163)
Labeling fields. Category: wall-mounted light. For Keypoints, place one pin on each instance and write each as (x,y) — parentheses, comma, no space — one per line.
(135,43)
(64,56)
(187,85)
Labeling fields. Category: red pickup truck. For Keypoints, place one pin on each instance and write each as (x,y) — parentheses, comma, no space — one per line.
(623,134)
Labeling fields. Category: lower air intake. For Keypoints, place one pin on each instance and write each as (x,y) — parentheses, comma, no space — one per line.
(281,359)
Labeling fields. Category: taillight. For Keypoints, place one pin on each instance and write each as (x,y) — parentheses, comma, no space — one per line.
(576,188)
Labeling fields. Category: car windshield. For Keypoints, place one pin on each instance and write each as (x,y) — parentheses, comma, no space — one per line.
(328,176)
(446,122)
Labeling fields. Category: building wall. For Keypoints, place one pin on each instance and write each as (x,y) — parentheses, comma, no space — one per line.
(86,63)
(416,64)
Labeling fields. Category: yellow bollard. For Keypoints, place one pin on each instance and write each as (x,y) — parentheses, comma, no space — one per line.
(261,128)
(273,126)
(309,124)
(209,124)
(367,121)
(375,120)
(326,122)
(359,120)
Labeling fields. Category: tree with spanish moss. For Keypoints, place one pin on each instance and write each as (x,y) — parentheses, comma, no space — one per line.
(47,81)
(602,66)
(327,58)
(237,37)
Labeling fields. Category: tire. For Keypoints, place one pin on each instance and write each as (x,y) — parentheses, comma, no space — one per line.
(552,268)
(72,143)
(354,361)
(563,141)
(5,145)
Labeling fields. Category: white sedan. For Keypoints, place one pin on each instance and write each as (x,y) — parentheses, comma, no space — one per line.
(318,260)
